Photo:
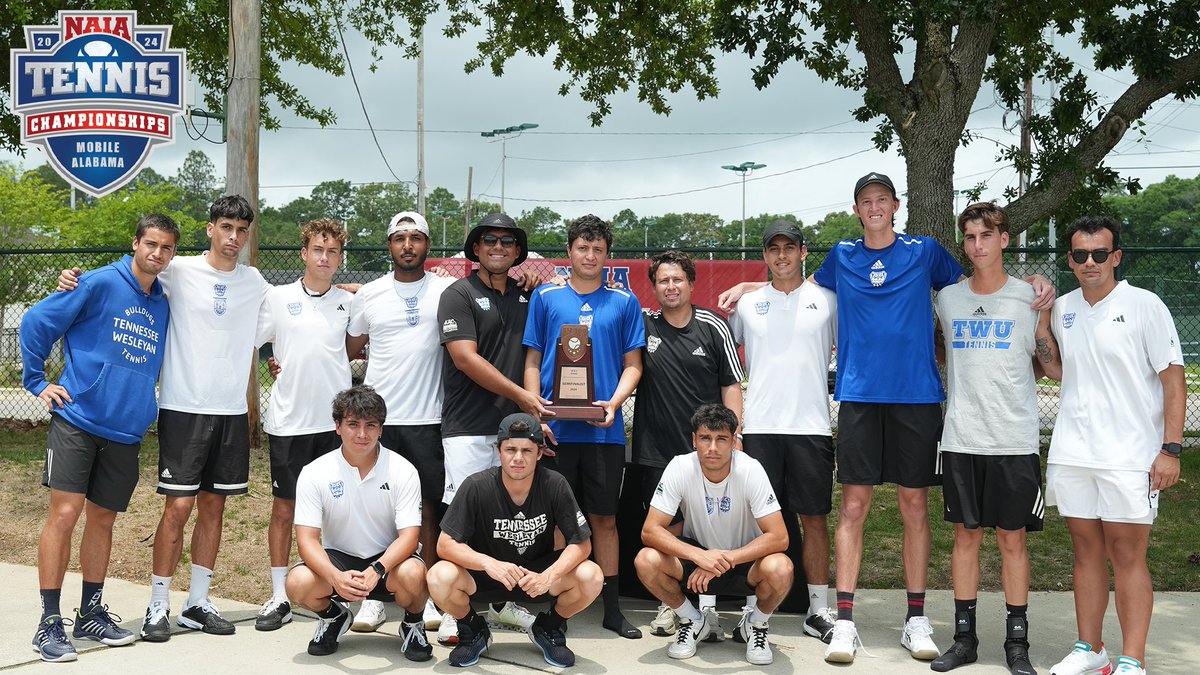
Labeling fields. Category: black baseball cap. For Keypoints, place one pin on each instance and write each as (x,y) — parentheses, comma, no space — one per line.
(873,179)
(785,227)
(533,433)
(496,221)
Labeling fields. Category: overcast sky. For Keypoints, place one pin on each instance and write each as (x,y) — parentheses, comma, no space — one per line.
(799,127)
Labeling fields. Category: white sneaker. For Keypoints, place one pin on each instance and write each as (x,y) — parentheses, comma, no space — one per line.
(369,618)
(665,622)
(713,621)
(448,631)
(1128,666)
(741,632)
(1083,661)
(510,617)
(690,633)
(844,642)
(431,616)
(917,638)
(758,649)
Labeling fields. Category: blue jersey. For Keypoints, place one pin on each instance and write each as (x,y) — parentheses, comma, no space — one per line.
(885,318)
(614,321)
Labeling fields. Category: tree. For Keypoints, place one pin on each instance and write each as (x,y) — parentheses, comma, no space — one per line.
(835,227)
(31,215)
(197,183)
(954,47)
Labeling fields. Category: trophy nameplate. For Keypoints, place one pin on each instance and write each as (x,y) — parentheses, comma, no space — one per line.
(574,380)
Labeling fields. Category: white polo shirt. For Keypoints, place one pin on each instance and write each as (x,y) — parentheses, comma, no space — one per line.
(405,353)
(789,338)
(308,335)
(720,516)
(210,340)
(359,516)
(1110,411)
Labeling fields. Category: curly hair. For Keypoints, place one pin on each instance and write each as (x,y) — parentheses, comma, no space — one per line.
(714,417)
(323,226)
(591,228)
(361,402)
(673,258)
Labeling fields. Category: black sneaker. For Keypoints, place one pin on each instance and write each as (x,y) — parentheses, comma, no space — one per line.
(157,625)
(329,632)
(1016,655)
(273,615)
(206,618)
(415,647)
(552,642)
(51,643)
(963,651)
(820,625)
(99,625)
(471,643)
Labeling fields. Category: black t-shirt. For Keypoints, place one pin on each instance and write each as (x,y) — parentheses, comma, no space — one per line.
(469,310)
(485,518)
(682,369)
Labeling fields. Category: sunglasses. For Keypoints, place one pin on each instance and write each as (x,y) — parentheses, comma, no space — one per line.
(505,241)
(1080,255)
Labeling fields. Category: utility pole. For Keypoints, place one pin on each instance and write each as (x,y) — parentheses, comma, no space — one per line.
(1026,149)
(241,153)
(421,122)
(467,206)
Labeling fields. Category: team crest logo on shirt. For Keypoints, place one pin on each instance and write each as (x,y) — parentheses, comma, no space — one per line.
(878,274)
(219,290)
(413,316)
(294,308)
(337,488)
(219,306)
(484,303)
(449,326)
(586,320)
(652,343)
(1068,319)
(762,307)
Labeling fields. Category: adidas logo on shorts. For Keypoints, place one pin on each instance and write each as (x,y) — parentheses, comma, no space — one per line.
(166,473)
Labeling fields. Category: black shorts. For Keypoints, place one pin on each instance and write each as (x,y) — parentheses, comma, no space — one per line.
(82,463)
(488,589)
(345,561)
(1003,491)
(289,454)
(420,444)
(594,471)
(888,443)
(800,468)
(202,452)
(734,582)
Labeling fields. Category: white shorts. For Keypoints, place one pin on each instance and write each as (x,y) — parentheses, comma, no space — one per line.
(465,455)
(1101,494)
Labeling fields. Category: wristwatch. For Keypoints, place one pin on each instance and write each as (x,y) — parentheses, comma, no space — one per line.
(1172,449)
(379,568)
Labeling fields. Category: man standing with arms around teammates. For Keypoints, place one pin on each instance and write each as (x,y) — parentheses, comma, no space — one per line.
(690,359)
(991,469)
(398,314)
(306,323)
(497,542)
(100,409)
(591,455)
(358,518)
(733,539)
(1117,439)
(788,328)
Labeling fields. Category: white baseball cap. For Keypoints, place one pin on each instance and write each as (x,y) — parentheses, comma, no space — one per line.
(400,223)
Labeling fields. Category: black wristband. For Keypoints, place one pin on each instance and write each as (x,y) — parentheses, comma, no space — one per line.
(379,568)
(1173,449)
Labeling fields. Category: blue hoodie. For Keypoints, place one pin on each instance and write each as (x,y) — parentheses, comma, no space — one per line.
(113,337)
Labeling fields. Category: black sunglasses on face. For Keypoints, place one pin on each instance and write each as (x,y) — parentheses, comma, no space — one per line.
(505,241)
(1080,255)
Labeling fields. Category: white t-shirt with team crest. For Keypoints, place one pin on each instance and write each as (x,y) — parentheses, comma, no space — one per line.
(308,335)
(210,340)
(1110,410)
(720,516)
(405,353)
(359,516)
(789,340)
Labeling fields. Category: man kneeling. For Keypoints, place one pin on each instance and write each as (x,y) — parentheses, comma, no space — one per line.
(358,517)
(733,537)
(497,544)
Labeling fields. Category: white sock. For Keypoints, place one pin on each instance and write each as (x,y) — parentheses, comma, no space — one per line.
(707,601)
(160,590)
(278,585)
(198,590)
(752,601)
(818,598)
(687,611)
(758,616)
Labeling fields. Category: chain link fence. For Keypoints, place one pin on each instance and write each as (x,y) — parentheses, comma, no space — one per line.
(28,275)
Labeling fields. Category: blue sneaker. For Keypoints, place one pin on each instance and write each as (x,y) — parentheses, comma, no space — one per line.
(552,642)
(471,644)
(101,625)
(50,640)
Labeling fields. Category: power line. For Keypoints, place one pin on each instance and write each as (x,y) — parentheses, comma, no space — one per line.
(350,66)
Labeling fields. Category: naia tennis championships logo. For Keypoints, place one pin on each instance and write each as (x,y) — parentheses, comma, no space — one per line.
(97,92)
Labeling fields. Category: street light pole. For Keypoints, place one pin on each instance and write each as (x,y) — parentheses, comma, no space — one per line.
(744,169)
(443,213)
(503,135)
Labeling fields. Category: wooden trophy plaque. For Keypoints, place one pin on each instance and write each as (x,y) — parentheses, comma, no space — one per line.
(574,379)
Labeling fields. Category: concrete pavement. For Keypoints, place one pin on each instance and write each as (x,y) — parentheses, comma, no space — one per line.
(1174,647)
